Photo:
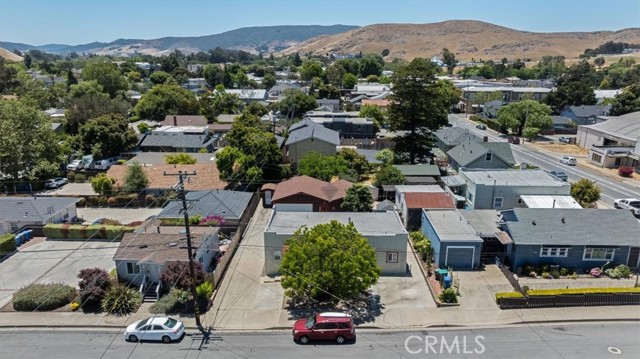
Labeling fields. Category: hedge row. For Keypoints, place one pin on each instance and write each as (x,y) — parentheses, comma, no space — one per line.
(78,231)
(7,243)
(40,297)
(567,291)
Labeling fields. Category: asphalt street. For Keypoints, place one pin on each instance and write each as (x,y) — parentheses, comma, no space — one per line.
(579,340)
(611,189)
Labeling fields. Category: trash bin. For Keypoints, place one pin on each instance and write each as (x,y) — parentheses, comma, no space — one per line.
(441,273)
(29,234)
(18,239)
(447,281)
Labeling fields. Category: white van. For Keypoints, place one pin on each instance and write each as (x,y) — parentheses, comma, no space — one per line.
(105,164)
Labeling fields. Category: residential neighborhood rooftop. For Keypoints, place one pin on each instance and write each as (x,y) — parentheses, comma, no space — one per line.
(184,120)
(157,247)
(227,204)
(160,158)
(469,151)
(429,200)
(418,188)
(509,177)
(314,131)
(367,223)
(483,221)
(33,208)
(207,176)
(625,126)
(532,201)
(451,225)
(329,191)
(419,170)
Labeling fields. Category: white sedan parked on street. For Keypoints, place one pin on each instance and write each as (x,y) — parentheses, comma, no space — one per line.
(571,161)
(163,329)
(631,204)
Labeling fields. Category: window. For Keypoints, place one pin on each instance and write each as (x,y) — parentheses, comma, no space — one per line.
(470,196)
(157,327)
(520,201)
(596,157)
(488,156)
(132,268)
(277,255)
(392,257)
(14,226)
(598,254)
(497,202)
(553,252)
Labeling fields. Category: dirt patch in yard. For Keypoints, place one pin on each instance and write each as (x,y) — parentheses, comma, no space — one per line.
(560,148)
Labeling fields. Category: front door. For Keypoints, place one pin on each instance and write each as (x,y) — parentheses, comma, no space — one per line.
(634,257)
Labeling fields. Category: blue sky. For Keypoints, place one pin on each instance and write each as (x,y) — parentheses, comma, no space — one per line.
(39,22)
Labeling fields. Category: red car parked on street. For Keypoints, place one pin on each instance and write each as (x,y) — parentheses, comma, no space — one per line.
(334,326)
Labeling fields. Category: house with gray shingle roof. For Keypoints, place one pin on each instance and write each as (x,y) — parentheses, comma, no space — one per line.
(178,139)
(586,115)
(17,212)
(489,155)
(447,138)
(230,205)
(306,136)
(577,239)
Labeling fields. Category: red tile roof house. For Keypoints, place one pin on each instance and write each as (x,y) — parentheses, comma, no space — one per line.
(416,201)
(307,194)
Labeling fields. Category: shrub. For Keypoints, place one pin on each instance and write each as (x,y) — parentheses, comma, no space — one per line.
(204,290)
(548,292)
(555,274)
(111,201)
(102,200)
(78,231)
(448,296)
(625,171)
(546,275)
(42,297)
(74,306)
(121,300)
(94,284)
(121,162)
(532,274)
(525,288)
(177,275)
(528,268)
(564,272)
(149,198)
(71,176)
(174,302)
(212,221)
(475,118)
(80,178)
(501,295)
(544,268)
(180,159)
(621,271)
(82,202)
(7,243)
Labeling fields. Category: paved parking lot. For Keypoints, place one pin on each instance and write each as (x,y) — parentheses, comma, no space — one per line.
(123,215)
(73,189)
(52,261)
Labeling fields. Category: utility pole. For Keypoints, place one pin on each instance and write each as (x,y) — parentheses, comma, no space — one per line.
(182,195)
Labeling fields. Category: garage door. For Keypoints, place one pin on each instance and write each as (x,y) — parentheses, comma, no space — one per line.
(293,207)
(460,257)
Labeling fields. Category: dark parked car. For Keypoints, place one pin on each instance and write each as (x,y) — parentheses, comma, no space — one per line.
(481,127)
(513,139)
(334,326)
(559,174)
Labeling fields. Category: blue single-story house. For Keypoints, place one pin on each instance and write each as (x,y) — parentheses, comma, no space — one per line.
(578,239)
(455,243)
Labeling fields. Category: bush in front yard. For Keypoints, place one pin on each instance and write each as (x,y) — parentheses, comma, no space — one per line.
(625,171)
(121,300)
(42,297)
(448,296)
(94,284)
(177,275)
(80,178)
(7,243)
(174,302)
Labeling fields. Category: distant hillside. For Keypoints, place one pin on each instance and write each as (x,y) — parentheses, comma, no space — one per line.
(466,38)
(9,56)
(271,38)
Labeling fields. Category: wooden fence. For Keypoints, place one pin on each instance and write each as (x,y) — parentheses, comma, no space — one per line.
(570,300)
(223,262)
(510,277)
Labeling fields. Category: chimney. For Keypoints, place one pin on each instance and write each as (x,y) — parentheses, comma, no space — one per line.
(175,120)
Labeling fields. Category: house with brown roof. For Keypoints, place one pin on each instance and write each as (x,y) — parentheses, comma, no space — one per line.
(206,176)
(141,257)
(307,194)
(184,120)
(415,202)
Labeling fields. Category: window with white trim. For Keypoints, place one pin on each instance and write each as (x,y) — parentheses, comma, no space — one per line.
(497,202)
(277,255)
(132,268)
(14,226)
(392,257)
(554,251)
(488,156)
(598,254)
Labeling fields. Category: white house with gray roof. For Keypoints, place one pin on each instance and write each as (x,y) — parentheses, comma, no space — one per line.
(614,142)
(502,189)
(229,205)
(306,136)
(17,212)
(384,232)
(489,155)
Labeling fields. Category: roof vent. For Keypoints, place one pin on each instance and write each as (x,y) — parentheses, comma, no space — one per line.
(562,220)
(142,246)
(533,223)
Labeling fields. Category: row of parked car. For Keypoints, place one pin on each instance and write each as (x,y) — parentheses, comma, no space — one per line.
(88,163)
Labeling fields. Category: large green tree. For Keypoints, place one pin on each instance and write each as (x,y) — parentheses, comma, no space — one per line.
(166,99)
(324,168)
(135,179)
(329,262)
(374,112)
(388,175)
(86,101)
(571,93)
(449,60)
(627,101)
(358,199)
(107,136)
(528,113)
(335,73)
(311,69)
(585,192)
(295,103)
(107,75)
(215,104)
(371,64)
(355,160)
(28,146)
(419,104)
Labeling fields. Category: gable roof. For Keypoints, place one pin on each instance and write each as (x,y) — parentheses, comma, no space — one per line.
(184,120)
(228,204)
(429,200)
(561,120)
(312,187)
(159,247)
(308,129)
(37,209)
(452,136)
(419,170)
(177,141)
(207,176)
(590,110)
(512,177)
(367,223)
(536,226)
(467,152)
(626,126)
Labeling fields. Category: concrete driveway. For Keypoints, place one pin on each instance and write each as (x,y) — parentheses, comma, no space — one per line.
(478,288)
(123,215)
(52,261)
(73,189)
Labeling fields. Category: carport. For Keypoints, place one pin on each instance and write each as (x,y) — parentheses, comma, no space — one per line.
(455,243)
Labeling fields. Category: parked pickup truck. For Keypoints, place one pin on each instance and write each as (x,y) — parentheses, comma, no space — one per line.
(631,204)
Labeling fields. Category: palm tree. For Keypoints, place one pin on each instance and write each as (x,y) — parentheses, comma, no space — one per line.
(585,192)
